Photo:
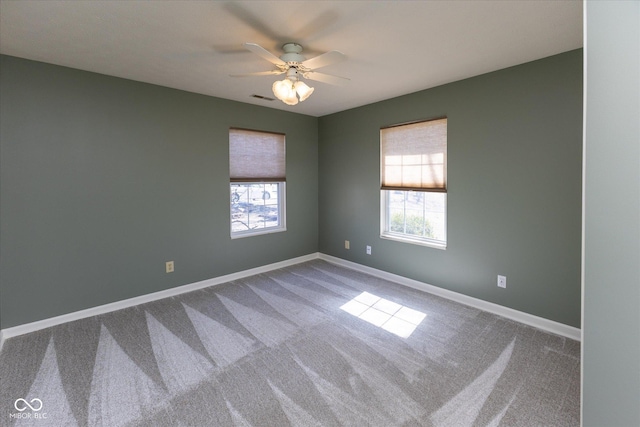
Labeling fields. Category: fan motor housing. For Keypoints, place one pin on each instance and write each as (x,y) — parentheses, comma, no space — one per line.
(292,54)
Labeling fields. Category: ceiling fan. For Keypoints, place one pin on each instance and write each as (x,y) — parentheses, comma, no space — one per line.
(296,66)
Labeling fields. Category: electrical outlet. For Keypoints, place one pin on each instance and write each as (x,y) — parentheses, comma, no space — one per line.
(368,250)
(346,244)
(502,281)
(169,266)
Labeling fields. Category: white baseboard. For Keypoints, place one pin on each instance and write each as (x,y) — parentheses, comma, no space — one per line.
(519,316)
(119,305)
(528,319)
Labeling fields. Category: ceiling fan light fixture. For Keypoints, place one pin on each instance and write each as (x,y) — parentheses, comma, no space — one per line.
(285,91)
(281,88)
(303,90)
(292,90)
(292,99)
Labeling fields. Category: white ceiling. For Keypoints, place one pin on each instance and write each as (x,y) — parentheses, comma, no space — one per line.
(392,47)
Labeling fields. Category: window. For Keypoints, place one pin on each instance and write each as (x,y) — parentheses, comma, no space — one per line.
(257,182)
(413,189)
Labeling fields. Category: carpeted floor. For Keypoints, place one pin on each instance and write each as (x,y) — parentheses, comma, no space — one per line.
(314,344)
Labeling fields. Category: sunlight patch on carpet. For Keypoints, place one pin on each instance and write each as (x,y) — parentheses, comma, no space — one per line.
(385,314)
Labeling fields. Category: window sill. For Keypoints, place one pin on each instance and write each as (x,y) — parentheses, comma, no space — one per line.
(420,242)
(241,235)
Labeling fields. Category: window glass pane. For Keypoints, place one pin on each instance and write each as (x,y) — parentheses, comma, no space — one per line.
(415,215)
(256,207)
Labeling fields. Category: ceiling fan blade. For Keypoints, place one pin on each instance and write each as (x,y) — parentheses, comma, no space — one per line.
(264,53)
(324,60)
(252,21)
(259,73)
(315,27)
(326,78)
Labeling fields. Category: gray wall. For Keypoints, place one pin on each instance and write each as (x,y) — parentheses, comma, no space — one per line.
(105,179)
(514,176)
(611,325)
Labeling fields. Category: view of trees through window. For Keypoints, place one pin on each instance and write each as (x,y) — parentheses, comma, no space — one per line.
(416,213)
(255,206)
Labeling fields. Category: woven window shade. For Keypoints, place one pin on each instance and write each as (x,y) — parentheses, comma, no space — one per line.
(256,156)
(414,156)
